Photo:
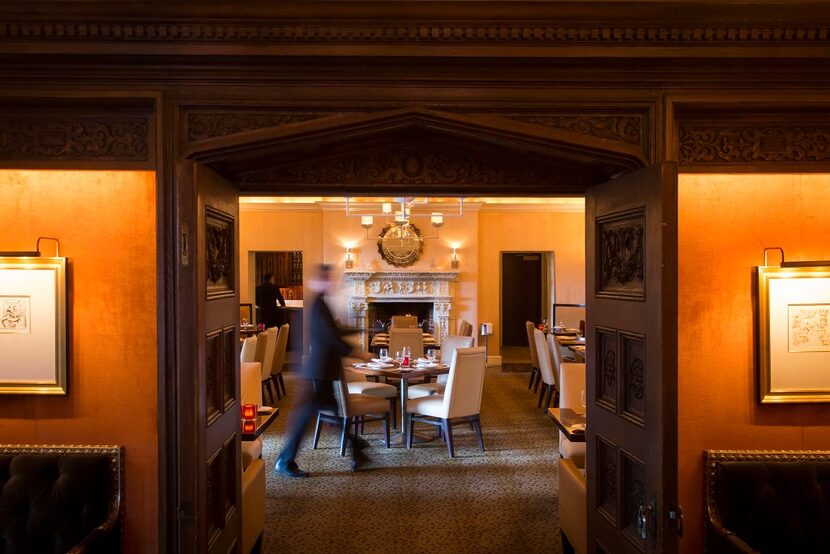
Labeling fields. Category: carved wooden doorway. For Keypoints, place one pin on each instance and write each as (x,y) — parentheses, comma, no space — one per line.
(386,153)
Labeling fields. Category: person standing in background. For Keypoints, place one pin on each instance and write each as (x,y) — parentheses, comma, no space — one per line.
(267,296)
(324,366)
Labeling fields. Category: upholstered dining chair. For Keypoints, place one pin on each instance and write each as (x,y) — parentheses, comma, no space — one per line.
(277,381)
(253,467)
(550,375)
(404,321)
(411,337)
(448,347)
(248,350)
(571,384)
(465,328)
(357,383)
(352,409)
(265,345)
(534,358)
(460,403)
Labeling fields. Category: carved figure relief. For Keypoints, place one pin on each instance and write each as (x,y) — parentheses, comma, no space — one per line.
(77,138)
(219,252)
(702,143)
(621,255)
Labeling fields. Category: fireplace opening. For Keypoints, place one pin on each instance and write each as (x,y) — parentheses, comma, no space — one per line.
(380,314)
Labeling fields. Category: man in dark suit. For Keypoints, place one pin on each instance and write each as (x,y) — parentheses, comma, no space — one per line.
(267,296)
(324,366)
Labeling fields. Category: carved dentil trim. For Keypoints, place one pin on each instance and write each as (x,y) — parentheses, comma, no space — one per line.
(753,143)
(74,138)
(384,33)
(626,129)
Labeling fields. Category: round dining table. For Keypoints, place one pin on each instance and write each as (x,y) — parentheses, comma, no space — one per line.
(405,375)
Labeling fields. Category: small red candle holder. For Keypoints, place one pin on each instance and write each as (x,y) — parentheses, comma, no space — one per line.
(249,411)
(248,425)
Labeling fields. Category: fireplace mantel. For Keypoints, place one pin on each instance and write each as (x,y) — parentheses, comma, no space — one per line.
(400,286)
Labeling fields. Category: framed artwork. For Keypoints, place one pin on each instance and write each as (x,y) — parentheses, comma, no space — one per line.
(246,313)
(32,325)
(794,333)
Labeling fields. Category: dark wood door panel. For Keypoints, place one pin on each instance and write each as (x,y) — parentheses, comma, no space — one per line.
(631,343)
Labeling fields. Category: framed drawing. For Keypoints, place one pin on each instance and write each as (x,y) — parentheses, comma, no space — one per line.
(794,333)
(32,325)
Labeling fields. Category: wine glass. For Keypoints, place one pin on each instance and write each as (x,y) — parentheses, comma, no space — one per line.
(582,399)
(398,357)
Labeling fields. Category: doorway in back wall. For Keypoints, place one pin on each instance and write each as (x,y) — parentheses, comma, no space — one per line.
(526,279)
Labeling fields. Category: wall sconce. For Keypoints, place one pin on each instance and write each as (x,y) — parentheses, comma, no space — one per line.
(387,207)
(349,262)
(366,221)
(437,219)
(454,263)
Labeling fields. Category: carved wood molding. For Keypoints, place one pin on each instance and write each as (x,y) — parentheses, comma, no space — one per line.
(202,125)
(704,143)
(628,129)
(327,32)
(77,139)
(408,166)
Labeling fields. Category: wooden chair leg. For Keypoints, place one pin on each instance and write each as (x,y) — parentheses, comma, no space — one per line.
(266,390)
(548,397)
(538,381)
(344,433)
(532,378)
(542,395)
(276,389)
(317,430)
(282,384)
(409,432)
(445,424)
(478,430)
(359,431)
(438,433)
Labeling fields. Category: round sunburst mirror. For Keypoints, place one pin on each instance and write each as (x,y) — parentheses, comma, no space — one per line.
(400,245)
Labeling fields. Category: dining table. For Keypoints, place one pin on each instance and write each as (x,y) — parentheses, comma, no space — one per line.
(393,369)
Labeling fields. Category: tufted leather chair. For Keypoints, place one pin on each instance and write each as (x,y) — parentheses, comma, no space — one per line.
(57,499)
(768,501)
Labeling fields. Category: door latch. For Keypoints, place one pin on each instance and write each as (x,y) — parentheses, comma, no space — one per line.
(644,514)
(676,514)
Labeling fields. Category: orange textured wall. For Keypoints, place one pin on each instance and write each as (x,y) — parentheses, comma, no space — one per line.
(105,221)
(725,222)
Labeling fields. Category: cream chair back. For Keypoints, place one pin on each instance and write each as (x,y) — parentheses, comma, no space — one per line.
(534,358)
(449,345)
(465,328)
(465,384)
(341,393)
(543,353)
(555,357)
(404,321)
(268,355)
(279,350)
(250,386)
(248,350)
(572,382)
(411,337)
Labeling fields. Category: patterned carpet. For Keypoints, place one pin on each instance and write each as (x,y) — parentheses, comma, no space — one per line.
(501,500)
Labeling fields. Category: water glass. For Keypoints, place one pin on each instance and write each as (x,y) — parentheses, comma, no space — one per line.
(431,354)
(383,353)
(582,399)
(407,354)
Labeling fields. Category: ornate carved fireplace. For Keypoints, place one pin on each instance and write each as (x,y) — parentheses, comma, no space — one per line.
(369,287)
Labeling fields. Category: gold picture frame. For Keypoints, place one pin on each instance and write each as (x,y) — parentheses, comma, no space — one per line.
(794,333)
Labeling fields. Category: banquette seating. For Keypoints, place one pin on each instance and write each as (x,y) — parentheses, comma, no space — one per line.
(253,467)
(772,501)
(60,499)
